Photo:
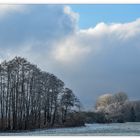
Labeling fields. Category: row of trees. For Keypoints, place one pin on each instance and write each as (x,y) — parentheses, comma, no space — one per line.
(117,108)
(31,98)
(113,108)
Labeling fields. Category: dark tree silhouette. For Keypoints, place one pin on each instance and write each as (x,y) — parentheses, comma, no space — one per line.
(31,98)
(133,115)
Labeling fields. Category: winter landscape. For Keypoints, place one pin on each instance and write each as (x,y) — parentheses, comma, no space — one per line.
(69,70)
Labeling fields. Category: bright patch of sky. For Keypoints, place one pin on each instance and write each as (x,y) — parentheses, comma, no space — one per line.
(92,14)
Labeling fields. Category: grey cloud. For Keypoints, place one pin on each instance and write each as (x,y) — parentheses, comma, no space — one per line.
(35,22)
(92,62)
(112,65)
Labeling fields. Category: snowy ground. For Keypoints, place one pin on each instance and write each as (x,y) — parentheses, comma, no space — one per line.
(114,129)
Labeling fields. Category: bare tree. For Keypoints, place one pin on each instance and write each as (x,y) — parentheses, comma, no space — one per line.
(120,97)
(103,101)
(29,97)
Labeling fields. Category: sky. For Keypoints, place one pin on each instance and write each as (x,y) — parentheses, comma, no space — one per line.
(92,14)
(94,49)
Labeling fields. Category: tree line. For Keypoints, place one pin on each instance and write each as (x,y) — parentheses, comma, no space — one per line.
(31,98)
(113,108)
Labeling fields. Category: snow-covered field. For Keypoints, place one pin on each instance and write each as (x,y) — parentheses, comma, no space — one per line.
(114,129)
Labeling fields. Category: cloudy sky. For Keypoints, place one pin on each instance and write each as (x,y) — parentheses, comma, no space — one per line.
(94,49)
